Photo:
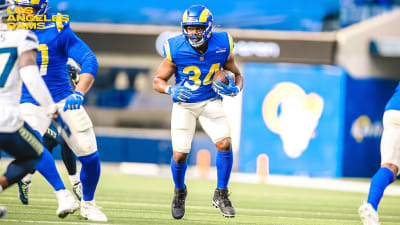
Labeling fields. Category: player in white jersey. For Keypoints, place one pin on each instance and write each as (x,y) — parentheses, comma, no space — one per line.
(18,52)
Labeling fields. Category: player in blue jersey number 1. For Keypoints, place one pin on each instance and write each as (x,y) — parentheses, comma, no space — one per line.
(194,58)
(57,43)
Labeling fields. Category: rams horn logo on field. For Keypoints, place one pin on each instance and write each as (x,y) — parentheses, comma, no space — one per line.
(297,118)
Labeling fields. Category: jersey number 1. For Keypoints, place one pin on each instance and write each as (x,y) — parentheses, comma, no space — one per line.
(44,51)
(11,54)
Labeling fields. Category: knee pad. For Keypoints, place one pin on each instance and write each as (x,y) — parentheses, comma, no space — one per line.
(82,143)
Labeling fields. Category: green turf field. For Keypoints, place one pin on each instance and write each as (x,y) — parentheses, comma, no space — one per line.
(140,200)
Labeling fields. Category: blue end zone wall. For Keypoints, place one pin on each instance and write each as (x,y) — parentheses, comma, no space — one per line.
(365,104)
(312,120)
(322,156)
(144,150)
(148,150)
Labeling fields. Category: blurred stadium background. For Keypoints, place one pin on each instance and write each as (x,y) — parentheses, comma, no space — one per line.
(318,74)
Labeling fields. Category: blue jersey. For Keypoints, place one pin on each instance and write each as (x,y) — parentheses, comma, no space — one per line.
(57,43)
(394,102)
(196,70)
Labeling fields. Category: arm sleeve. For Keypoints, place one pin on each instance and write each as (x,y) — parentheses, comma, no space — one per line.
(36,86)
(30,42)
(76,49)
(231,44)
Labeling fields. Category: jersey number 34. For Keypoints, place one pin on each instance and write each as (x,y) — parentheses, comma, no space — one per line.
(195,77)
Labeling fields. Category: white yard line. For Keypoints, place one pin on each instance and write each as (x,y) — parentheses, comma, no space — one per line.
(54,222)
(259,216)
(137,204)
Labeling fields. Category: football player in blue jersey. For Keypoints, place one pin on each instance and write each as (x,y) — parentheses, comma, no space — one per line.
(57,43)
(390,161)
(194,58)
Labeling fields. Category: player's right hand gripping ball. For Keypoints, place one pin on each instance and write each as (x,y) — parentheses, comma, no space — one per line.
(179,93)
(224,84)
(74,101)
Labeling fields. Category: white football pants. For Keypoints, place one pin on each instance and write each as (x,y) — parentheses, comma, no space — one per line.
(81,140)
(390,143)
(183,123)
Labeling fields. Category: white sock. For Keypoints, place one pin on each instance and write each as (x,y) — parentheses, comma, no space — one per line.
(28,177)
(74,179)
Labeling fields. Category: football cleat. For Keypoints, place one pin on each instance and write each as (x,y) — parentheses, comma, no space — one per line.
(221,201)
(368,214)
(77,189)
(66,203)
(23,189)
(90,211)
(178,203)
(3,211)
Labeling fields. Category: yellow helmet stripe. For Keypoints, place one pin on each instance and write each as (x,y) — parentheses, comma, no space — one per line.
(167,51)
(230,44)
(35,1)
(204,15)
(185,17)
(60,25)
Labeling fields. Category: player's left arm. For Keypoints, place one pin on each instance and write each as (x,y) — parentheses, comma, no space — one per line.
(230,65)
(84,56)
(76,49)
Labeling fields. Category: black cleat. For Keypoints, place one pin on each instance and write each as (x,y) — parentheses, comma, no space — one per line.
(222,202)
(23,191)
(178,203)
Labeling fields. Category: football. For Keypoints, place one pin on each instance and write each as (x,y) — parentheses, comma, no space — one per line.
(221,76)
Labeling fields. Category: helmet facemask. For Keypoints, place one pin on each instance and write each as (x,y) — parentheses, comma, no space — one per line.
(40,7)
(7,8)
(195,39)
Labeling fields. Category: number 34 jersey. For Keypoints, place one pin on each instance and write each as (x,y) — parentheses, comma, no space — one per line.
(196,70)
(12,44)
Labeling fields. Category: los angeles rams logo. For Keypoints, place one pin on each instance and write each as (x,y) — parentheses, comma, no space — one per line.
(363,128)
(288,111)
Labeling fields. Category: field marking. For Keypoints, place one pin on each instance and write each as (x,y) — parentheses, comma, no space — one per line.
(211,208)
(202,221)
(55,222)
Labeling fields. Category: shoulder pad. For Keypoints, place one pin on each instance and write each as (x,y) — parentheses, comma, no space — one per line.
(61,21)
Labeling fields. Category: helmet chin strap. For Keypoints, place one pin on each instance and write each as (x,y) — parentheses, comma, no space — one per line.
(197,45)
(201,48)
